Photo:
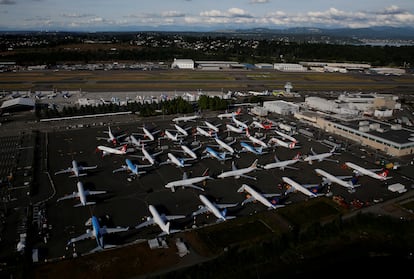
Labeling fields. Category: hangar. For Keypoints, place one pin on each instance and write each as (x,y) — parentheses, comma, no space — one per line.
(17,104)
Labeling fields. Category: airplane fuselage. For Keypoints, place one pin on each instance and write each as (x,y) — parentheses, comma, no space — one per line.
(213,209)
(298,187)
(365,171)
(158,220)
(333,178)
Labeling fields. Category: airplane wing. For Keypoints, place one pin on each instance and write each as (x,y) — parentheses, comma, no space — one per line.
(173,217)
(195,187)
(271,195)
(64,171)
(201,210)
(149,222)
(88,168)
(225,205)
(123,168)
(251,199)
(87,192)
(71,196)
(247,176)
(86,235)
(105,230)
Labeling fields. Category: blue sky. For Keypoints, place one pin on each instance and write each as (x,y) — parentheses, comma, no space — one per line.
(193,15)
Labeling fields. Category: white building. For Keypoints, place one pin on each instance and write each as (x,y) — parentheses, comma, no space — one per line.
(183,64)
(281,107)
(287,67)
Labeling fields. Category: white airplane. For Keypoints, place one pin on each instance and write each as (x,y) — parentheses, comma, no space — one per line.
(132,168)
(298,187)
(214,208)
(188,182)
(211,153)
(239,123)
(225,145)
(168,135)
(255,140)
(320,157)
(260,125)
(148,134)
(122,150)
(279,142)
(249,148)
(212,126)
(134,141)
(230,114)
(282,164)
(179,162)
(76,169)
(81,194)
(231,128)
(370,172)
(256,196)
(97,232)
(147,156)
(190,152)
(286,137)
(111,137)
(181,130)
(201,131)
(186,118)
(329,179)
(160,220)
(237,173)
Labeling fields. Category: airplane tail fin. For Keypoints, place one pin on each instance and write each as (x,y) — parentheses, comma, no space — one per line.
(167,227)
(241,189)
(124,148)
(205,173)
(254,165)
(292,144)
(384,174)
(297,157)
(238,112)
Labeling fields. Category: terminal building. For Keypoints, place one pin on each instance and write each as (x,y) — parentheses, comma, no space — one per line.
(392,139)
(281,107)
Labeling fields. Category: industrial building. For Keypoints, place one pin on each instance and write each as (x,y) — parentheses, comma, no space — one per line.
(392,139)
(289,67)
(17,104)
(281,107)
(183,64)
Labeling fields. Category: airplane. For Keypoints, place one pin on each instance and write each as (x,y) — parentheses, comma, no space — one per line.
(282,164)
(255,140)
(179,162)
(211,153)
(189,151)
(201,131)
(212,126)
(237,173)
(265,126)
(256,196)
(76,169)
(148,134)
(230,114)
(181,130)
(231,128)
(329,178)
(285,136)
(111,137)
(239,123)
(279,142)
(214,208)
(134,141)
(370,172)
(147,156)
(320,157)
(168,135)
(186,118)
(122,150)
(255,150)
(132,168)
(298,187)
(225,145)
(97,232)
(188,182)
(160,220)
(81,194)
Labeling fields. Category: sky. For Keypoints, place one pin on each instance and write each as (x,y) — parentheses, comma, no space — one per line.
(193,15)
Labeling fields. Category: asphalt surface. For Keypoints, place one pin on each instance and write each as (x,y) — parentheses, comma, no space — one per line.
(42,148)
(126,202)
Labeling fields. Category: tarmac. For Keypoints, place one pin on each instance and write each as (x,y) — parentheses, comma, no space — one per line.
(126,202)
